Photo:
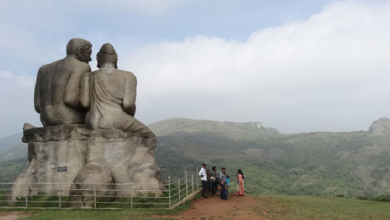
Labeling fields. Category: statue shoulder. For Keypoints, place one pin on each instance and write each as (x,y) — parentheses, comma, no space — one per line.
(85,67)
(128,74)
(45,67)
(70,61)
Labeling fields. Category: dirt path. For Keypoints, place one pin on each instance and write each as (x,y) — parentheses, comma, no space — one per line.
(14,215)
(237,207)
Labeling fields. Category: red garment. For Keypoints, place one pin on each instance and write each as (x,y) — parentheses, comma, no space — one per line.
(240,186)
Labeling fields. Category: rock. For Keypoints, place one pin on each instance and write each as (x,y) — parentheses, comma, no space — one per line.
(73,155)
(83,189)
(27,126)
(381,126)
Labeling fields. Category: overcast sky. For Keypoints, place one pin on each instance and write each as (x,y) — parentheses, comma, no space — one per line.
(298,66)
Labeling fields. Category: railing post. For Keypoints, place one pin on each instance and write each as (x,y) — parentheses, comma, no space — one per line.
(59,194)
(131,194)
(197,182)
(192,182)
(186,184)
(169,189)
(178,184)
(26,188)
(94,191)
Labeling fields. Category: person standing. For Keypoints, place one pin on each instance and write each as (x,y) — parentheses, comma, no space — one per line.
(215,181)
(240,183)
(208,182)
(203,178)
(222,183)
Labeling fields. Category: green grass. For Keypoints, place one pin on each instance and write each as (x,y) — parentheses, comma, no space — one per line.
(277,207)
(42,200)
(324,208)
(91,214)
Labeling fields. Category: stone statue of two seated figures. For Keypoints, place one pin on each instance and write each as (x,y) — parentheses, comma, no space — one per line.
(90,134)
(110,95)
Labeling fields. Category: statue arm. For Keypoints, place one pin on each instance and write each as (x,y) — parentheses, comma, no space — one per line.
(85,90)
(130,96)
(72,90)
(37,104)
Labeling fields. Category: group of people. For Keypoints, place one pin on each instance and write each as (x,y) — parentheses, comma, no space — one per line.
(212,182)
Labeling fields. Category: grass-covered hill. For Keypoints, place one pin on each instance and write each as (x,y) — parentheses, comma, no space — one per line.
(320,163)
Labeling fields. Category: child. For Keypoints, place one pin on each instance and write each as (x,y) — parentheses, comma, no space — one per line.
(227,185)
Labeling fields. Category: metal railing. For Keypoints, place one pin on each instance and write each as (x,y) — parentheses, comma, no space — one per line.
(98,195)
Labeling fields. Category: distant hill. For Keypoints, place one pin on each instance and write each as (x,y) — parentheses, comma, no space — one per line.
(12,147)
(174,125)
(318,163)
(10,169)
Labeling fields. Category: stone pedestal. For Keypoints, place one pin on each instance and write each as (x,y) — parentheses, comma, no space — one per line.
(75,156)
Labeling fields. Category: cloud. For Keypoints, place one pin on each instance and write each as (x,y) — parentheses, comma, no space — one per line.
(329,72)
(296,76)
(16,96)
(37,31)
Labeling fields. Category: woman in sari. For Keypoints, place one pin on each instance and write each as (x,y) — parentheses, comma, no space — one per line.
(240,183)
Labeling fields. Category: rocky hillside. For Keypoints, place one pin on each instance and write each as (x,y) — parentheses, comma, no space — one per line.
(381,126)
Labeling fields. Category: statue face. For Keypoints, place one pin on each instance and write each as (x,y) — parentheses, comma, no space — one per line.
(85,54)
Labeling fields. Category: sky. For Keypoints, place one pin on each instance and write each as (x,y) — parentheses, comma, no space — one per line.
(295,65)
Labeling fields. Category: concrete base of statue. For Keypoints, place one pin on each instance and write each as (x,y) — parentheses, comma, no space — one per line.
(73,158)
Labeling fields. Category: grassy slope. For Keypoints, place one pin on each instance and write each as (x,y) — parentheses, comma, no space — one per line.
(105,214)
(10,169)
(272,207)
(324,208)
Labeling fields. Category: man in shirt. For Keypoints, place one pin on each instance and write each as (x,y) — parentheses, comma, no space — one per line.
(203,178)
(222,183)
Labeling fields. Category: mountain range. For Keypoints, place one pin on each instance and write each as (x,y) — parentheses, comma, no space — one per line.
(316,163)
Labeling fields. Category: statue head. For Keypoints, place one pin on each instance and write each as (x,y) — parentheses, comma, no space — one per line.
(107,55)
(80,48)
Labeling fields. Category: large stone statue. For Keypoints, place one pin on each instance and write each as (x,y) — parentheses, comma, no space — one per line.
(110,95)
(106,146)
(57,90)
